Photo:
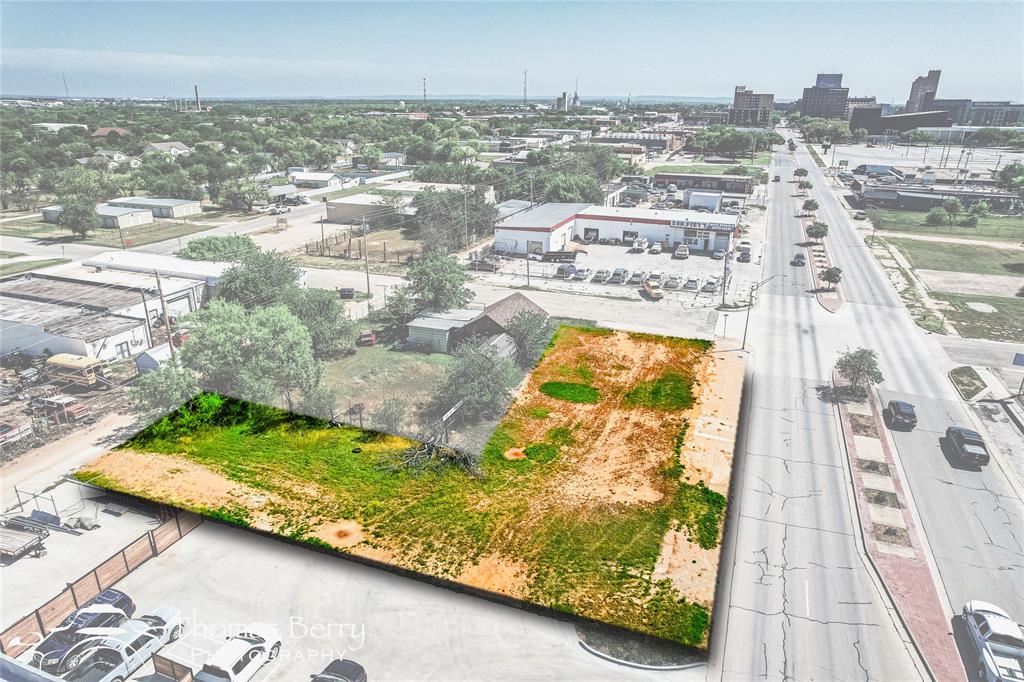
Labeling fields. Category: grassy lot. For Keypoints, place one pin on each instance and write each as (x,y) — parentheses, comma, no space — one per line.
(1007,228)
(982,260)
(10,254)
(967,381)
(563,513)
(375,373)
(700,168)
(358,189)
(1005,324)
(26,265)
(157,231)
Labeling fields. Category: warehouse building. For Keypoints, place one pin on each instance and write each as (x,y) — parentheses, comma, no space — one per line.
(353,208)
(111,217)
(161,208)
(733,186)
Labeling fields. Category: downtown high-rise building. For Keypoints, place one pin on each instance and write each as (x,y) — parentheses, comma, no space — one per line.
(922,91)
(750,108)
(827,98)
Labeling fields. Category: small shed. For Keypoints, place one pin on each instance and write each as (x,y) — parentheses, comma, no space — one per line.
(438,330)
(153,359)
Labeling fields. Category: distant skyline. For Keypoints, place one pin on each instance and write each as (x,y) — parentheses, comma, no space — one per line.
(360,49)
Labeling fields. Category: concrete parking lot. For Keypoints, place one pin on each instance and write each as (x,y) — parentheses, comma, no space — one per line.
(223,579)
(29,582)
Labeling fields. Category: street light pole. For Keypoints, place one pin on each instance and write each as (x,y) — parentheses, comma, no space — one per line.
(750,304)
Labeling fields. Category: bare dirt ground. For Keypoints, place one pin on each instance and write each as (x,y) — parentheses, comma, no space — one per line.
(498,574)
(691,568)
(971,283)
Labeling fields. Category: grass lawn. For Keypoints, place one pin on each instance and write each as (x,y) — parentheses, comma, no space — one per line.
(156,231)
(26,265)
(974,258)
(375,373)
(1008,228)
(614,524)
(358,189)
(10,254)
(1005,324)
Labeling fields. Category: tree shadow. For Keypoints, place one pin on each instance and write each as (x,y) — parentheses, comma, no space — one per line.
(838,395)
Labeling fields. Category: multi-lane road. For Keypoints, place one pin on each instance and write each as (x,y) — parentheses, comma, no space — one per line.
(798,600)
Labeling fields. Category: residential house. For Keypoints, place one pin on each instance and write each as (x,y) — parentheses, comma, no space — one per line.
(316,180)
(173,149)
(442,331)
(106,132)
(392,160)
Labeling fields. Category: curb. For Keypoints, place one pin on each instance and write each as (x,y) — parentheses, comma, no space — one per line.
(639,666)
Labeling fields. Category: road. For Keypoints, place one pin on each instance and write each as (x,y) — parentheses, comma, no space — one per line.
(971,519)
(797,599)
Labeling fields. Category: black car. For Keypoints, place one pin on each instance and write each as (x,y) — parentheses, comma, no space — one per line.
(900,415)
(967,445)
(341,671)
(799,259)
(108,609)
(744,257)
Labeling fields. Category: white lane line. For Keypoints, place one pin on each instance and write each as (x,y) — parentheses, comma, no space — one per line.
(807,600)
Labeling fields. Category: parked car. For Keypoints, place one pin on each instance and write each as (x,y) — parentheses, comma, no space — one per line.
(710,286)
(341,670)
(966,445)
(655,248)
(998,642)
(799,260)
(655,277)
(619,276)
(776,179)
(279,209)
(366,338)
(900,415)
(653,291)
(600,276)
(860,215)
(581,275)
(744,245)
(744,257)
(60,650)
(565,271)
(718,254)
(120,652)
(682,251)
(673,282)
(691,284)
(241,657)
(639,245)
(637,277)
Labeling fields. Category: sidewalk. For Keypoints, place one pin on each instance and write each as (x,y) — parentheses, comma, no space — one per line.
(892,540)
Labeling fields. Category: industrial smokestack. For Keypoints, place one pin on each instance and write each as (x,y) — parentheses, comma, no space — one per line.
(198,106)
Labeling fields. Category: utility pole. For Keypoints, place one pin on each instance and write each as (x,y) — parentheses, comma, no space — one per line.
(366,263)
(524,87)
(424,92)
(527,264)
(725,275)
(167,319)
(531,195)
(465,215)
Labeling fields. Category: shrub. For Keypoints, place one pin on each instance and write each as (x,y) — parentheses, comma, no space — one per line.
(937,216)
(571,391)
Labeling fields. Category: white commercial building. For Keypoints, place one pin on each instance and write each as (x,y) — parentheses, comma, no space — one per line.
(552,227)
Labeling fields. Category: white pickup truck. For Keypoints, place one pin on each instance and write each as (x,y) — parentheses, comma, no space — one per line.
(998,641)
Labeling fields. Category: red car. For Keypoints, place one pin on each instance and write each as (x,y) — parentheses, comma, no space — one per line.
(367,338)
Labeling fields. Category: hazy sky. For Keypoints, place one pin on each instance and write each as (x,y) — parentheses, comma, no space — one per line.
(238,49)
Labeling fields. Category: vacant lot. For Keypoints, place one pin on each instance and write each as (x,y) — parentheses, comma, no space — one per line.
(600,494)
(26,265)
(985,317)
(974,258)
(157,231)
(1009,228)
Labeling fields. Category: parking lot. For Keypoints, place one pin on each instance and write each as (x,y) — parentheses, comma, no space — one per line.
(699,266)
(326,608)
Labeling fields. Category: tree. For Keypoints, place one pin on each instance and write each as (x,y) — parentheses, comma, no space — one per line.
(800,173)
(389,416)
(369,156)
(331,330)
(860,368)
(1012,175)
(260,279)
(481,377)
(165,390)
(817,230)
(244,192)
(437,281)
(953,207)
(858,135)
(400,308)
(219,248)
(805,184)
(531,331)
(318,401)
(832,275)
(791,145)
(937,216)
(257,355)
(810,206)
(78,215)
(979,209)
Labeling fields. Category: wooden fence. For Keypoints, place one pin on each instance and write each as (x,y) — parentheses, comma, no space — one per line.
(30,630)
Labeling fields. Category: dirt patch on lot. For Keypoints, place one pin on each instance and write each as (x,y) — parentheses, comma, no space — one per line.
(496,574)
(864,425)
(971,283)
(340,534)
(691,568)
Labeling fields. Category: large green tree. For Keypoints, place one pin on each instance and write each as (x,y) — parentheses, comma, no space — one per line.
(482,378)
(437,281)
(78,215)
(260,279)
(331,330)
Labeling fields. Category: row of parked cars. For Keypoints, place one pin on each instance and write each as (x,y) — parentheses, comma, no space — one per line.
(104,641)
(570,272)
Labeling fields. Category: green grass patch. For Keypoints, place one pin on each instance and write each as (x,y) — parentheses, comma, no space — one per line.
(539,412)
(1005,324)
(967,381)
(571,391)
(26,265)
(670,391)
(814,155)
(995,228)
(700,510)
(973,258)
(561,435)
(10,254)
(541,452)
